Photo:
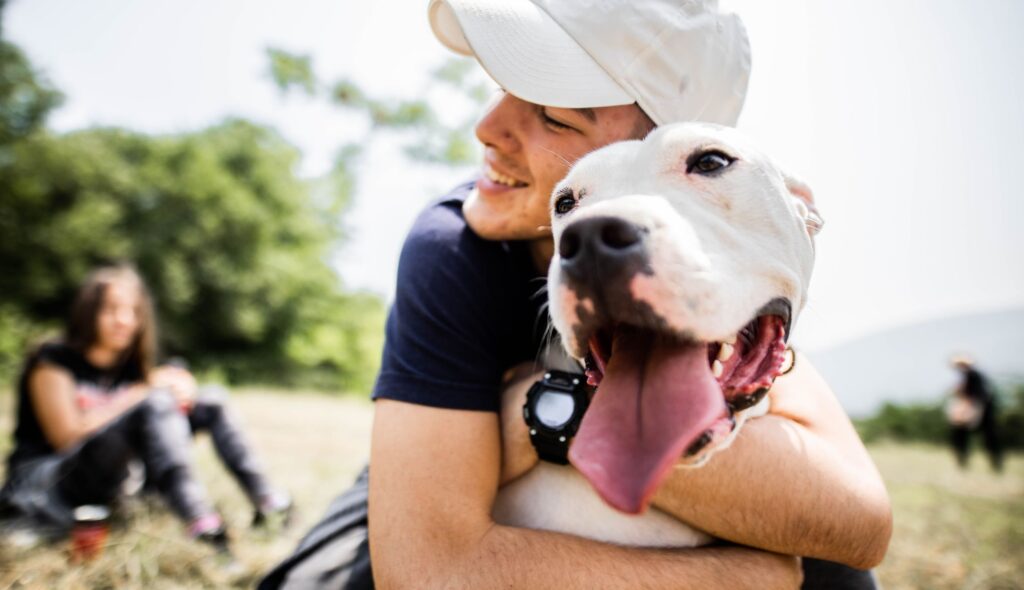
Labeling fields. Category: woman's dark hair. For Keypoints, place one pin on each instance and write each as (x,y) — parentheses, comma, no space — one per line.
(80,332)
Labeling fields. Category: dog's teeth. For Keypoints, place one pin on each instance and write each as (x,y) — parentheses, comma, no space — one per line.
(731,340)
(725,352)
(716,369)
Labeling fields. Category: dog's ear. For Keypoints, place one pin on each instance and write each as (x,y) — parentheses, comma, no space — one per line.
(803,197)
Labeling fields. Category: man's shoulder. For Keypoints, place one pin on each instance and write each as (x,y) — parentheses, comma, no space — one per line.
(442,219)
(440,236)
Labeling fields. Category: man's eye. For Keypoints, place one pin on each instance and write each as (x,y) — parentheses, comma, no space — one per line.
(565,202)
(552,122)
(709,162)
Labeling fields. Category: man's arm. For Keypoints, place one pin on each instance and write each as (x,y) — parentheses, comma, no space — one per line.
(797,481)
(434,478)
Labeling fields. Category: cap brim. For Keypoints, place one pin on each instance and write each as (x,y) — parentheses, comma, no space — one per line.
(525,51)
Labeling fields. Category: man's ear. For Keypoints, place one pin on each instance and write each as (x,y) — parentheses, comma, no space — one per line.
(803,198)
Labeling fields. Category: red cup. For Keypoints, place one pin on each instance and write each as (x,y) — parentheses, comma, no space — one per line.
(89,535)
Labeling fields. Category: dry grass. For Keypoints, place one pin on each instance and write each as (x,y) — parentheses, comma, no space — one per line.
(312,445)
(953,529)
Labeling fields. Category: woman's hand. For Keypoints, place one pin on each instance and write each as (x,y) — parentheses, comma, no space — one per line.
(179,381)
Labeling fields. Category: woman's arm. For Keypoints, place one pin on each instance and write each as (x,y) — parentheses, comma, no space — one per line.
(797,481)
(63,423)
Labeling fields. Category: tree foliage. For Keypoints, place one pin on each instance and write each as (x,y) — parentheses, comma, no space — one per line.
(232,243)
(426,137)
(291,71)
(25,97)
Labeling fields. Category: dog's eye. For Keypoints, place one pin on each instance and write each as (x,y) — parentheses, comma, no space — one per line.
(709,162)
(565,201)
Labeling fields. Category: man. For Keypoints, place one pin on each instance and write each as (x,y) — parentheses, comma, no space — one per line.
(577,75)
(973,409)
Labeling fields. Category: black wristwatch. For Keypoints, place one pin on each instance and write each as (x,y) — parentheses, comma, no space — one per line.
(553,410)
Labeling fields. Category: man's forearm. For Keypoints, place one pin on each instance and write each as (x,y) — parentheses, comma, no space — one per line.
(507,557)
(809,486)
(808,499)
(802,484)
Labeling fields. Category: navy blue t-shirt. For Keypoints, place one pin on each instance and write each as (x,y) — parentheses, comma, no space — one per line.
(466,310)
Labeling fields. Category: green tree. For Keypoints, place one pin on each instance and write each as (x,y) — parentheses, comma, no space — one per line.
(232,243)
(415,123)
(25,96)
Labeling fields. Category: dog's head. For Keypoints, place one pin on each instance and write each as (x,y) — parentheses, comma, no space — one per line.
(681,262)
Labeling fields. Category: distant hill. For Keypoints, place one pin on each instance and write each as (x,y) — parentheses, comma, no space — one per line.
(910,363)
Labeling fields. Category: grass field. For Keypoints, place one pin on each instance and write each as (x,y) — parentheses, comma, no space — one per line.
(953,530)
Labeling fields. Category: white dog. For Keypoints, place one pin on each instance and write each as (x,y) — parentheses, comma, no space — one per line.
(682,261)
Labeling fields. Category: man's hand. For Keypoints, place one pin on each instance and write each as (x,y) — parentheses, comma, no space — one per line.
(179,381)
(517,453)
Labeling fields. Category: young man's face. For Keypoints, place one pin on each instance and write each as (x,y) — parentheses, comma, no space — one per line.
(528,149)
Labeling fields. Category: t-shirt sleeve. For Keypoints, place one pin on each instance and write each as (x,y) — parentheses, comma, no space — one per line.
(55,355)
(445,329)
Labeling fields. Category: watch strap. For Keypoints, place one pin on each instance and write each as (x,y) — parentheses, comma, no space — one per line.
(549,448)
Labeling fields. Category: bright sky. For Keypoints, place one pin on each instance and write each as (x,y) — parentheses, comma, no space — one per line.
(905,117)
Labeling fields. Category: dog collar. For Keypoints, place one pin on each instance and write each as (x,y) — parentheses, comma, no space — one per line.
(553,411)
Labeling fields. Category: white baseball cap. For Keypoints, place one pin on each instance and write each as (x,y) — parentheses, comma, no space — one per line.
(680,60)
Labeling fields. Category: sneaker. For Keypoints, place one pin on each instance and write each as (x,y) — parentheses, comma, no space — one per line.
(23,534)
(275,511)
(210,529)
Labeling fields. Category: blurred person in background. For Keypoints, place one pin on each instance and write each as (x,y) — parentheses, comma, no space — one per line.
(972,408)
(92,404)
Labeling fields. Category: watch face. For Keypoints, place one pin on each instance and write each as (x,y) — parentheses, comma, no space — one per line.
(554,408)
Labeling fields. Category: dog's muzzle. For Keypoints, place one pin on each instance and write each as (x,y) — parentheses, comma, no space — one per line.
(608,248)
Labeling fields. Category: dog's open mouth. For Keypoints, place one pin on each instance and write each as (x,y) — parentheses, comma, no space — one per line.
(661,397)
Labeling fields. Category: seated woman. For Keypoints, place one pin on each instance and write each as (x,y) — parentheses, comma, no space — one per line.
(92,403)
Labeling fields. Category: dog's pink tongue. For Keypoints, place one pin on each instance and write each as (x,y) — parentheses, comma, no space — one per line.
(655,400)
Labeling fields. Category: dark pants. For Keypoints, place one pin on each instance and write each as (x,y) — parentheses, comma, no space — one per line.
(47,489)
(335,554)
(960,439)
(211,414)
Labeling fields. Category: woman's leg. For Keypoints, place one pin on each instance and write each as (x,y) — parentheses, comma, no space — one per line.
(92,473)
(153,430)
(210,413)
(160,434)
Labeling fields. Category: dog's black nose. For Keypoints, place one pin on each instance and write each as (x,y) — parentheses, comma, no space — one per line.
(607,246)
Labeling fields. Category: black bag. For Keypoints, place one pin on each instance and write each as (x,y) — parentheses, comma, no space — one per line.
(335,553)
